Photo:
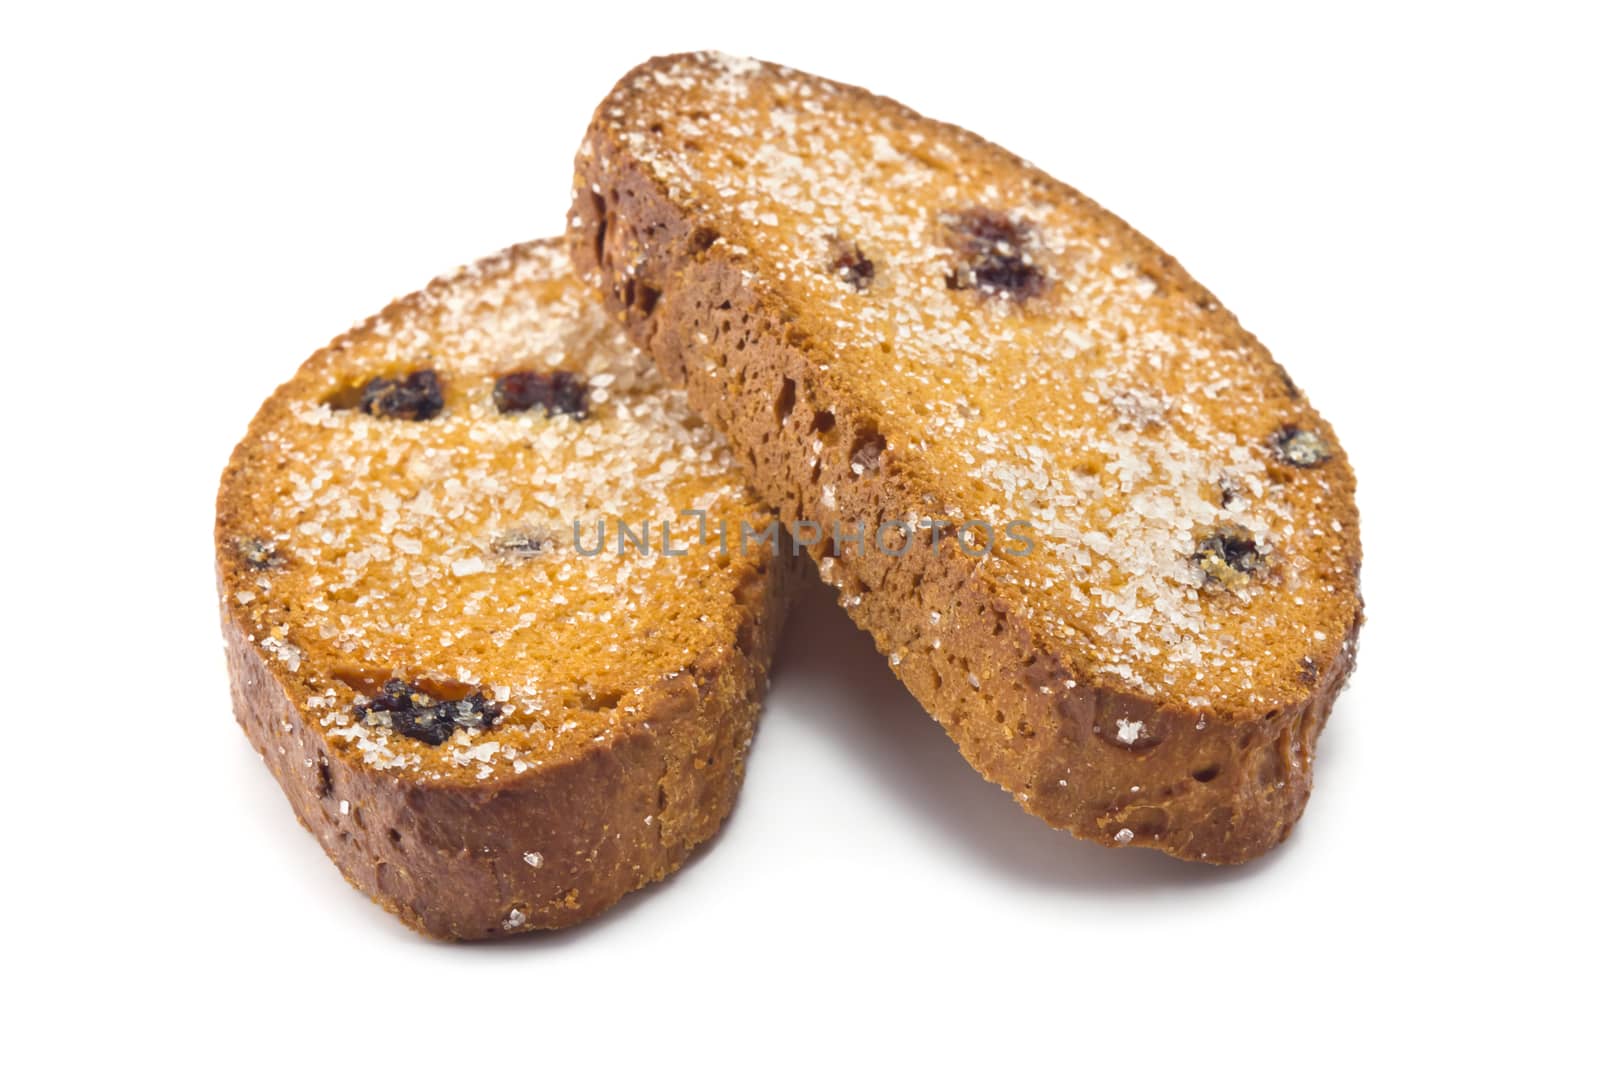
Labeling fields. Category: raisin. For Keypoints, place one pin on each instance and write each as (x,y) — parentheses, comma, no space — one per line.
(408,710)
(849,264)
(558,393)
(415,397)
(991,244)
(259,555)
(1300,448)
(1228,555)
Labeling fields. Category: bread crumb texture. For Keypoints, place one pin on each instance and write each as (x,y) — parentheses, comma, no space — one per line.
(358,548)
(1026,356)
(896,322)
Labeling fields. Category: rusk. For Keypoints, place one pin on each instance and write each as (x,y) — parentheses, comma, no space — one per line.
(894,321)
(487,730)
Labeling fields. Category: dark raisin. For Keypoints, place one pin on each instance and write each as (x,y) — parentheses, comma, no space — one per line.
(1308,670)
(850,264)
(408,710)
(415,397)
(994,263)
(1228,555)
(1300,448)
(557,392)
(258,554)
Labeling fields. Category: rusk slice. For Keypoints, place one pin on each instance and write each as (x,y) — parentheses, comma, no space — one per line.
(487,730)
(895,321)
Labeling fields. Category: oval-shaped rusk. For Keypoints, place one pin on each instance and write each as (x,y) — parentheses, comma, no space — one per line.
(1096,529)
(490,723)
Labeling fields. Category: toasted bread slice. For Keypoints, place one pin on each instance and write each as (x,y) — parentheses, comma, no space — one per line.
(1141,633)
(490,726)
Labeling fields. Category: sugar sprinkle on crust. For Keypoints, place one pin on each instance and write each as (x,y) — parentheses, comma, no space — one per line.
(400,589)
(1019,354)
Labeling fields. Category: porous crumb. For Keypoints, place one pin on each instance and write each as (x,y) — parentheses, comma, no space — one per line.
(422,535)
(1035,362)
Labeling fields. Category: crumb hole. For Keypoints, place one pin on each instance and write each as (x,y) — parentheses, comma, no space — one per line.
(701,239)
(602,700)
(785,405)
(598,204)
(865,451)
(646,299)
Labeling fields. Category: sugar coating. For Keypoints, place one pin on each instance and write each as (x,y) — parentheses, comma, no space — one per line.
(1121,411)
(393,534)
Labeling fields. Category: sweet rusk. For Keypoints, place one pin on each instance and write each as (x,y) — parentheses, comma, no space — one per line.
(487,731)
(899,325)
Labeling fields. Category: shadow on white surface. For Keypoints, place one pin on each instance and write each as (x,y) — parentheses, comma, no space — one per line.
(831,682)
(832,679)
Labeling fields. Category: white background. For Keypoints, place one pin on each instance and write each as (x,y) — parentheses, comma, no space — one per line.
(1400,202)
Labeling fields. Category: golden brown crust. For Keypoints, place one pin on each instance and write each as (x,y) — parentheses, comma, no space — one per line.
(452,861)
(1108,762)
(459,841)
